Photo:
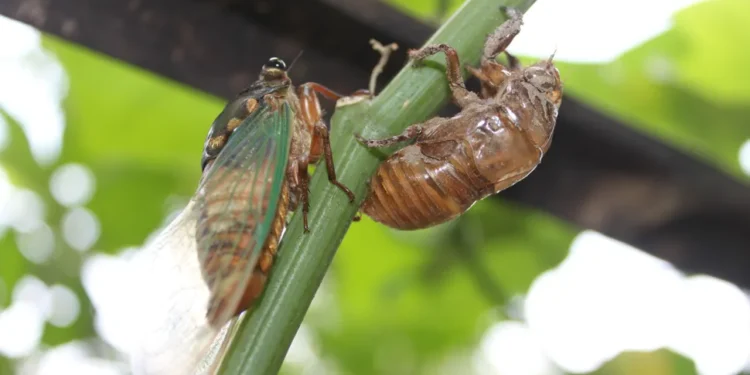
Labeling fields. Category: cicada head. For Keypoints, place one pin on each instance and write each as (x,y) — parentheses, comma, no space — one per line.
(274,73)
(545,77)
(539,92)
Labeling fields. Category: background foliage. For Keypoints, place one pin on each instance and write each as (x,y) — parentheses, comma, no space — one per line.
(417,298)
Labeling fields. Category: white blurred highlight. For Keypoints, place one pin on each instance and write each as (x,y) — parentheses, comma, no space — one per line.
(23,209)
(72,184)
(745,157)
(21,328)
(22,324)
(36,245)
(71,358)
(33,87)
(721,345)
(31,290)
(303,352)
(80,228)
(65,306)
(510,348)
(107,280)
(591,31)
(608,297)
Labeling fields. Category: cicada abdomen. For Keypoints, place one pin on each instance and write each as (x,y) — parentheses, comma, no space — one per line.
(496,140)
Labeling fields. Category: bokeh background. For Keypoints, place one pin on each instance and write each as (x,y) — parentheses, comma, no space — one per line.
(96,154)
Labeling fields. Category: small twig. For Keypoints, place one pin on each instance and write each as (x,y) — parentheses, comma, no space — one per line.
(385,53)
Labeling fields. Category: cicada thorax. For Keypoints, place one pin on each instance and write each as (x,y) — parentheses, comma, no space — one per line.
(224,219)
(227,121)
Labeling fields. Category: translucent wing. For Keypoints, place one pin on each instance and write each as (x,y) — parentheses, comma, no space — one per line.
(194,274)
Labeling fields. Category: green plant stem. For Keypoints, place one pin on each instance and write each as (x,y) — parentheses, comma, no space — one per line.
(261,342)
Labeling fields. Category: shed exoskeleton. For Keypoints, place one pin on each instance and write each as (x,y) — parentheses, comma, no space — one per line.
(497,139)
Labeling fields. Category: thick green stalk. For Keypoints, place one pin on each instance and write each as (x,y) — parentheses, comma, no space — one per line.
(262,340)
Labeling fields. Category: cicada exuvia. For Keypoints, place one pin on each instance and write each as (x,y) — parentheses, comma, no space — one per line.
(497,139)
(211,263)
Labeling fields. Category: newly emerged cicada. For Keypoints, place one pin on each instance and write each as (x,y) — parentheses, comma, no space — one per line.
(497,139)
(211,263)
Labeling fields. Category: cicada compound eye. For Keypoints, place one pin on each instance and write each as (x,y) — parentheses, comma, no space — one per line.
(275,63)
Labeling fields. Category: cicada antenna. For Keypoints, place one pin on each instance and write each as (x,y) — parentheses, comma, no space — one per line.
(552,56)
(295,60)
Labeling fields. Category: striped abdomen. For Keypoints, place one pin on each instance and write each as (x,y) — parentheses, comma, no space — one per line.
(412,191)
(226,219)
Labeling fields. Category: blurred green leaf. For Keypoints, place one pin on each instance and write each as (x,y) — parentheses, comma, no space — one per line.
(713,60)
(130,201)
(386,315)
(121,113)
(517,243)
(17,161)
(6,367)
(657,362)
(395,315)
(12,267)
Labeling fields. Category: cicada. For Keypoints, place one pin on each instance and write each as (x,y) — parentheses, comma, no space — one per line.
(497,139)
(211,263)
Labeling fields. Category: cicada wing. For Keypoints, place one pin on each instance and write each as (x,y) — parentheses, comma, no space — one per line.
(240,197)
(170,318)
(239,193)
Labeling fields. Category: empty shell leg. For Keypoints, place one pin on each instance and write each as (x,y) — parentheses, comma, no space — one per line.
(410,133)
(461,96)
(499,40)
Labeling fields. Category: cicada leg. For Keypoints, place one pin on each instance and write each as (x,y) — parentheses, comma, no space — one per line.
(321,132)
(408,134)
(491,74)
(321,142)
(513,62)
(500,39)
(461,96)
(313,114)
(301,179)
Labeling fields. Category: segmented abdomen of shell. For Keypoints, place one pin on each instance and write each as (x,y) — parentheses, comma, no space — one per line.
(412,191)
(226,218)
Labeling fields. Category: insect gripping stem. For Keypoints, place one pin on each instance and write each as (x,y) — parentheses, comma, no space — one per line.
(412,96)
